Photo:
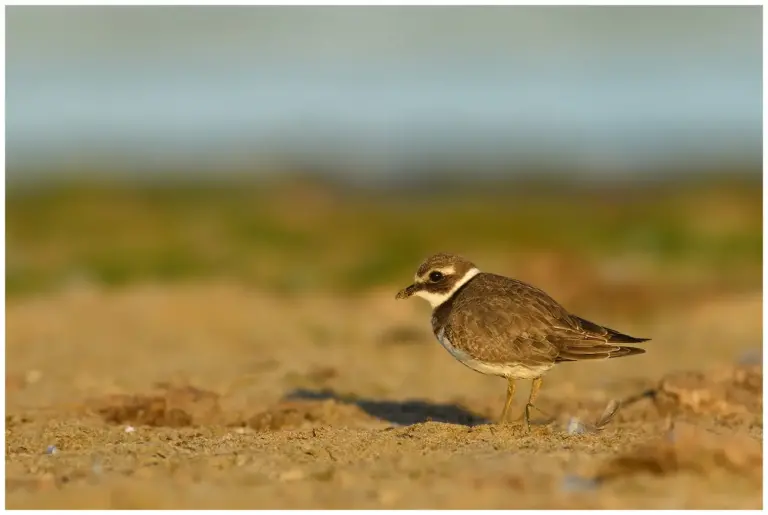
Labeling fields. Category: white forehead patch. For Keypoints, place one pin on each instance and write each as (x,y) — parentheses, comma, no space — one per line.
(435,299)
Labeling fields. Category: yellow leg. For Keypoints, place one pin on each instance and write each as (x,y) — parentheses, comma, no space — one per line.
(508,402)
(534,392)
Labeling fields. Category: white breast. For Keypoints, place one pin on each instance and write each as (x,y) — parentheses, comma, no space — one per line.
(509,370)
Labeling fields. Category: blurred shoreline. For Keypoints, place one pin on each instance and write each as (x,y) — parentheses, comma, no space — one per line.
(457,173)
(302,233)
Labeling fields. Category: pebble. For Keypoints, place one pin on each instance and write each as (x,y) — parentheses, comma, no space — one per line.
(51,449)
(751,357)
(573,483)
(575,427)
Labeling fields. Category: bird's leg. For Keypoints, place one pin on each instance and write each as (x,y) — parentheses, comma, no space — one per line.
(534,392)
(508,402)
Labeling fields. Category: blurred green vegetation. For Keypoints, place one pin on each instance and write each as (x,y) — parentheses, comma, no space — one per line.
(299,235)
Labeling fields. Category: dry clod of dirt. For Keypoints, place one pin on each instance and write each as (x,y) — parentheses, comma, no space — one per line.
(729,395)
(296,413)
(721,392)
(321,375)
(689,448)
(172,406)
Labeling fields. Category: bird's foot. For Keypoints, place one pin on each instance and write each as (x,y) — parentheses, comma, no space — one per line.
(527,416)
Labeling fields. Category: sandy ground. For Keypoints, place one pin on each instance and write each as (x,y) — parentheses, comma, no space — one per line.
(215,396)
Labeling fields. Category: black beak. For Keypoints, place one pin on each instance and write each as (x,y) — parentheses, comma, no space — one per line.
(407,292)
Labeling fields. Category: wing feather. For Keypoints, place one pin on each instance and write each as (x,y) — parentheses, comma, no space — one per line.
(500,320)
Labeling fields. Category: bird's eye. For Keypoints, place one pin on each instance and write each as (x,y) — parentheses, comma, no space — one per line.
(435,276)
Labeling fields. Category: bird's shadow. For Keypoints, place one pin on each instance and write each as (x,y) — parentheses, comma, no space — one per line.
(403,413)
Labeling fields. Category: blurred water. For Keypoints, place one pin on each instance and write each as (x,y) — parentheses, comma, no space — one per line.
(380,89)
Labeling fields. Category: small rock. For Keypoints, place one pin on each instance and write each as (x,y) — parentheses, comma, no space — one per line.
(573,483)
(130,429)
(575,427)
(51,449)
(751,357)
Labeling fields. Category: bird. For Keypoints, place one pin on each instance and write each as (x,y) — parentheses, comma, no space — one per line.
(504,327)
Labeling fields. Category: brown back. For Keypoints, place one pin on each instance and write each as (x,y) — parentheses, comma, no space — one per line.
(501,320)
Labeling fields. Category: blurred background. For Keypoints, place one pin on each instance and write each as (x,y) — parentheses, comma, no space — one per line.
(333,148)
(218,204)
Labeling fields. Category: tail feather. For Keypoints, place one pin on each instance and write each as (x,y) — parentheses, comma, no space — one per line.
(611,335)
(598,343)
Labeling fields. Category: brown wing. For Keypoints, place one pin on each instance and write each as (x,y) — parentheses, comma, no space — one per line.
(501,320)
